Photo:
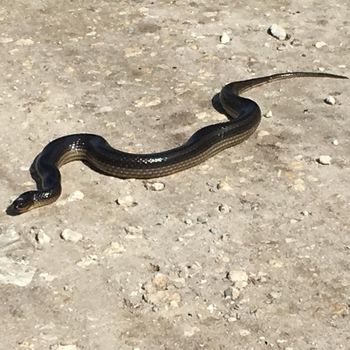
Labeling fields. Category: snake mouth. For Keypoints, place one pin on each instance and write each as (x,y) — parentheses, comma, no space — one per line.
(12,210)
(21,205)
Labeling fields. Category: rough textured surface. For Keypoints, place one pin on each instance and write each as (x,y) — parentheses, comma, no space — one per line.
(250,250)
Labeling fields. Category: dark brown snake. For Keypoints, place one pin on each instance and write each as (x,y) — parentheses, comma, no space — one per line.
(244,117)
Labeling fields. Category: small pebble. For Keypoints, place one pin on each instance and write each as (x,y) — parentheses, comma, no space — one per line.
(211,308)
(114,248)
(263,133)
(155,186)
(75,196)
(188,222)
(24,42)
(88,260)
(299,185)
(42,238)
(324,160)
(237,276)
(224,208)
(244,332)
(275,295)
(231,293)
(282,47)
(70,235)
(132,52)
(296,42)
(190,331)
(134,230)
(162,297)
(268,114)
(278,32)
(222,185)
(276,263)
(330,100)
(202,219)
(341,309)
(202,115)
(126,201)
(160,281)
(214,231)
(335,142)
(105,109)
(147,101)
(225,38)
(320,44)
(178,282)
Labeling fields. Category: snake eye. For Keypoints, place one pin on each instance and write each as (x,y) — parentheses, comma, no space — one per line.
(19,203)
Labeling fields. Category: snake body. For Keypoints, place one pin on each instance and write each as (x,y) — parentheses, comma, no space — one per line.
(243,115)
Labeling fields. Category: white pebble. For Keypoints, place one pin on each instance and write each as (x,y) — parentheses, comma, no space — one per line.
(244,332)
(237,276)
(160,281)
(276,263)
(201,115)
(188,222)
(87,261)
(224,38)
(114,249)
(190,331)
(222,185)
(299,185)
(278,32)
(231,293)
(24,42)
(155,186)
(268,114)
(126,201)
(134,230)
(211,308)
(105,109)
(263,133)
(42,238)
(320,44)
(330,100)
(224,208)
(147,101)
(324,160)
(275,294)
(75,196)
(335,142)
(70,235)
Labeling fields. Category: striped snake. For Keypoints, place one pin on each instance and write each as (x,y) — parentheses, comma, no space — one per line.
(243,118)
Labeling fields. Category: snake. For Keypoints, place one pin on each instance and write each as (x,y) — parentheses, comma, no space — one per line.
(243,114)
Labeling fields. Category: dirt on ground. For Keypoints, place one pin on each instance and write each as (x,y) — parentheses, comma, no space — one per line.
(249,250)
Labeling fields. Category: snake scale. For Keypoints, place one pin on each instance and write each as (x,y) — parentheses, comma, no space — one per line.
(243,115)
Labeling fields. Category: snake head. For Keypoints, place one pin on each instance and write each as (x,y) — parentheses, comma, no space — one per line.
(22,204)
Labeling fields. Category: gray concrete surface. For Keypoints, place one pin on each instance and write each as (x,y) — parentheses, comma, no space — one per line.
(250,250)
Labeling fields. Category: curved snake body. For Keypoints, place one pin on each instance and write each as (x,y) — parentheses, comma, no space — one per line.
(244,117)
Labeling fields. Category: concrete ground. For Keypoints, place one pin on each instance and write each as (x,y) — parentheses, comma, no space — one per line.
(250,250)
